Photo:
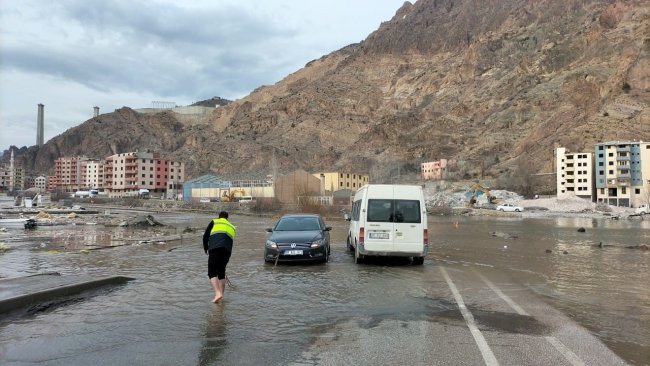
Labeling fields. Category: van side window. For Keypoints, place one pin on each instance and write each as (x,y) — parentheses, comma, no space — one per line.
(386,210)
(356,210)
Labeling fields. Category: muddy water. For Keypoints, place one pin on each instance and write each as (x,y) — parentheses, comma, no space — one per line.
(165,317)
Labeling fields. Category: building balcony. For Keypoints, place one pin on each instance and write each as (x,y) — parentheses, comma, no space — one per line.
(623,148)
(131,163)
(623,182)
(623,158)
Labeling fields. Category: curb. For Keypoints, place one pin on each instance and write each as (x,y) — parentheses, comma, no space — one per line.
(23,301)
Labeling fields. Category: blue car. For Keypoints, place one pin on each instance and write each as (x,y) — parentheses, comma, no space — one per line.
(298,237)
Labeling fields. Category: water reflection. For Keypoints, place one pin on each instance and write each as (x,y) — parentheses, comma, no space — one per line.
(214,339)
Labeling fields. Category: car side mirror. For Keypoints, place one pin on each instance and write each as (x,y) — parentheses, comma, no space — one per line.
(269,229)
(328,228)
(346,217)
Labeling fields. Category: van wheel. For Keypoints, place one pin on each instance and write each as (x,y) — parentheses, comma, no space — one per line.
(418,261)
(358,257)
(350,247)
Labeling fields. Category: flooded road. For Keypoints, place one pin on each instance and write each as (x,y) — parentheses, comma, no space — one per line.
(529,306)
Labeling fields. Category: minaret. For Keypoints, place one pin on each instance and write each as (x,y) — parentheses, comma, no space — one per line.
(12,172)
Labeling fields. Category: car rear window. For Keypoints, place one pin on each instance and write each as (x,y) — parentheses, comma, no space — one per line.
(385,210)
(298,224)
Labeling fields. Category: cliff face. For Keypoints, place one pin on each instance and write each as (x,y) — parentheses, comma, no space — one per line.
(490,81)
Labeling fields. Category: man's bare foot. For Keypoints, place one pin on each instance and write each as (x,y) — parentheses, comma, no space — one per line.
(217,298)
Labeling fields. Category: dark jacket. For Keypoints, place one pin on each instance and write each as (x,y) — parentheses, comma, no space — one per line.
(216,240)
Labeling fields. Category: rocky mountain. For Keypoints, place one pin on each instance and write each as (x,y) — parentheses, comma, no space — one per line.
(497,84)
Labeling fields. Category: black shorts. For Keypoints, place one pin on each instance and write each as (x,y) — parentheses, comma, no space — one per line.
(217,260)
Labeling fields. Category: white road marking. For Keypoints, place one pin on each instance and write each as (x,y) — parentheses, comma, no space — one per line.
(559,346)
(486,352)
(503,296)
(567,353)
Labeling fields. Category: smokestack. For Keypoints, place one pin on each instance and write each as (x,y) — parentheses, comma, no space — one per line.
(95,111)
(40,125)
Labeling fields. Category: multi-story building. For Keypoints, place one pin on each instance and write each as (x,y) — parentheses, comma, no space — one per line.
(334,181)
(19,179)
(52,183)
(5,178)
(436,169)
(69,172)
(127,173)
(622,173)
(92,173)
(575,174)
(40,182)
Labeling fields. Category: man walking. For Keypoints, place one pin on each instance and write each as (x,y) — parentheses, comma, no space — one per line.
(217,243)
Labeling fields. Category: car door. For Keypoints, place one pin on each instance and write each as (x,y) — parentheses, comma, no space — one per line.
(407,225)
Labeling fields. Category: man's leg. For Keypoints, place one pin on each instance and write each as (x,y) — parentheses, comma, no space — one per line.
(218,294)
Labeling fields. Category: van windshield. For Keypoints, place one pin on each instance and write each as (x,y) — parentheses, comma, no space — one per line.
(385,210)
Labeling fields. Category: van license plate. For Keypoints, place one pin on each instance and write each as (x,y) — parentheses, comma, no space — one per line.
(293,252)
(377,235)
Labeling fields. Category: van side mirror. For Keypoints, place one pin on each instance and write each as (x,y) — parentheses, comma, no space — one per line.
(328,228)
(346,217)
(269,229)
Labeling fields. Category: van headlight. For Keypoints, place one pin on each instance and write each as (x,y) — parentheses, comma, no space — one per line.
(271,244)
(316,243)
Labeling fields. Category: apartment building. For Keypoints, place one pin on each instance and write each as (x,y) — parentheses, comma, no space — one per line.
(127,173)
(52,183)
(622,173)
(436,170)
(40,182)
(93,173)
(575,173)
(334,181)
(69,172)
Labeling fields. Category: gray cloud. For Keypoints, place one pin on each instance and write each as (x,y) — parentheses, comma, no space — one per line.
(73,54)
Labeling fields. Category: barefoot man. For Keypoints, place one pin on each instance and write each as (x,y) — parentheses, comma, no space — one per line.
(217,244)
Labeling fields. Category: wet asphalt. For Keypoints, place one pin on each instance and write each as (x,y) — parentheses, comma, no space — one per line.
(473,302)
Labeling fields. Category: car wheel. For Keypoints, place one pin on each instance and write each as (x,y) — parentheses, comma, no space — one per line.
(327,254)
(358,257)
(516,209)
(501,209)
(418,261)
(350,247)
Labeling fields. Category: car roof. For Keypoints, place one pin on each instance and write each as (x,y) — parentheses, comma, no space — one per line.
(301,215)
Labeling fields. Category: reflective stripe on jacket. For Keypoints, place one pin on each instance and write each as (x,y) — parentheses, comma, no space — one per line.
(223,226)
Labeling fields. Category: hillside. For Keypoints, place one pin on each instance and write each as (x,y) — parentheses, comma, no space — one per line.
(498,84)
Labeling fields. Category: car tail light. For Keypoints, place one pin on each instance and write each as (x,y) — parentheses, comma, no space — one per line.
(426,236)
(361,235)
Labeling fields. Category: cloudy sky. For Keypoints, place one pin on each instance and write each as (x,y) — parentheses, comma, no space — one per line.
(72,55)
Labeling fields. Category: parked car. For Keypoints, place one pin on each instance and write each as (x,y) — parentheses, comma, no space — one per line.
(509,207)
(643,209)
(298,237)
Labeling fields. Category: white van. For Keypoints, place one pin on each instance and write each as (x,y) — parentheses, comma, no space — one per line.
(388,220)
(643,209)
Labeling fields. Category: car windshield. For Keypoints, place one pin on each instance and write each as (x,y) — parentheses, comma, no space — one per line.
(298,224)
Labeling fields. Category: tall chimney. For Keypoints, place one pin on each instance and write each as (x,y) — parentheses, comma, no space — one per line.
(40,125)
(95,111)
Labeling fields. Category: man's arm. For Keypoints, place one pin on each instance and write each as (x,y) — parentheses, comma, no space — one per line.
(206,236)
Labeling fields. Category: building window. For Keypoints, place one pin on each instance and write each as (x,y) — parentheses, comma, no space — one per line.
(637,191)
(150,175)
(611,172)
(158,176)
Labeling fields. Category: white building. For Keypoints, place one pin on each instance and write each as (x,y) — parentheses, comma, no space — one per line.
(575,172)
